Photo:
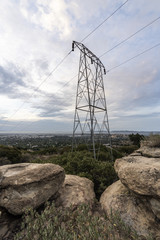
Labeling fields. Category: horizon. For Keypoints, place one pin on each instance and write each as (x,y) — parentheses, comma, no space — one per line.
(70,133)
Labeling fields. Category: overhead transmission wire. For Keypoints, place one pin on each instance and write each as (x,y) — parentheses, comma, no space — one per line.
(113,67)
(104,21)
(65,58)
(117,45)
(37,88)
(129,58)
(139,54)
(132,35)
(126,61)
(29,124)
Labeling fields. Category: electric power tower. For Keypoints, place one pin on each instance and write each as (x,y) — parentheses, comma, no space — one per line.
(91,124)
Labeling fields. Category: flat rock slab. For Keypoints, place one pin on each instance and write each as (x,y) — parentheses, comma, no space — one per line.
(140,174)
(149,151)
(76,190)
(134,211)
(28,185)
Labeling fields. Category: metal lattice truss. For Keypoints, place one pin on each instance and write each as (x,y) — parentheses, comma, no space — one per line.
(91,124)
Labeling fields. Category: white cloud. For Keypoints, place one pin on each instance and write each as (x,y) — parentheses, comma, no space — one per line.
(38,34)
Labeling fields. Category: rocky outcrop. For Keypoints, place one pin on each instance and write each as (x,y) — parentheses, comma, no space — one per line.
(27,184)
(137,195)
(149,151)
(76,190)
(31,185)
(140,174)
(134,211)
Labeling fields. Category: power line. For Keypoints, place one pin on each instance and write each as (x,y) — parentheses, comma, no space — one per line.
(104,21)
(126,39)
(37,88)
(52,71)
(126,61)
(100,56)
(147,50)
(21,122)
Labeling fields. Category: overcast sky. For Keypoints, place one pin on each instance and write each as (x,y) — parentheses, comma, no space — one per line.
(35,35)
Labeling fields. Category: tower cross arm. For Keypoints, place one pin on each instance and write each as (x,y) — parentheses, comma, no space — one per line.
(89,54)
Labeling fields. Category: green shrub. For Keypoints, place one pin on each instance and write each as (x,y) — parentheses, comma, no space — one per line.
(136,138)
(82,163)
(73,224)
(47,150)
(11,153)
(123,150)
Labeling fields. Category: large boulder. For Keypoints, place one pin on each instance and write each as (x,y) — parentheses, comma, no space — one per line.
(28,185)
(149,151)
(76,190)
(140,174)
(134,210)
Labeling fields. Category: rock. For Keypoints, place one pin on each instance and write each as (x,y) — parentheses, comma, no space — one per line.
(28,185)
(8,223)
(134,211)
(149,151)
(136,154)
(155,206)
(76,190)
(140,174)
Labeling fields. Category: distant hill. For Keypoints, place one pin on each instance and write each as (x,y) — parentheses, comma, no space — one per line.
(145,133)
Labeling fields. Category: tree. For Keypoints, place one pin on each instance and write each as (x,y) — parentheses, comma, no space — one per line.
(136,138)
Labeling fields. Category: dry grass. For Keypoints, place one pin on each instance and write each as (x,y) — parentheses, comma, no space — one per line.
(152,141)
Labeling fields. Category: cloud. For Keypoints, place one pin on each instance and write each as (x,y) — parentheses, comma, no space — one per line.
(10,80)
(36,35)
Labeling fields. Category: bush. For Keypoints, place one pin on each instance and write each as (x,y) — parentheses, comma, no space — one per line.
(126,149)
(73,224)
(11,153)
(47,150)
(82,163)
(136,138)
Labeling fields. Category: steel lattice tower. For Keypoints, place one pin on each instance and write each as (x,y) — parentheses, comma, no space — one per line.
(91,124)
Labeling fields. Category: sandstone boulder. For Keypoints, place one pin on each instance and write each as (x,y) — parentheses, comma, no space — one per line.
(76,190)
(134,210)
(140,174)
(149,151)
(27,184)
(155,206)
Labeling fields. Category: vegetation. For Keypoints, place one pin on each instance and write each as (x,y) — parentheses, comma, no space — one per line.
(136,139)
(10,153)
(73,224)
(125,150)
(82,163)
(153,141)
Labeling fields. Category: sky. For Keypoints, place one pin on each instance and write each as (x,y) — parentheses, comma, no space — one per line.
(36,35)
